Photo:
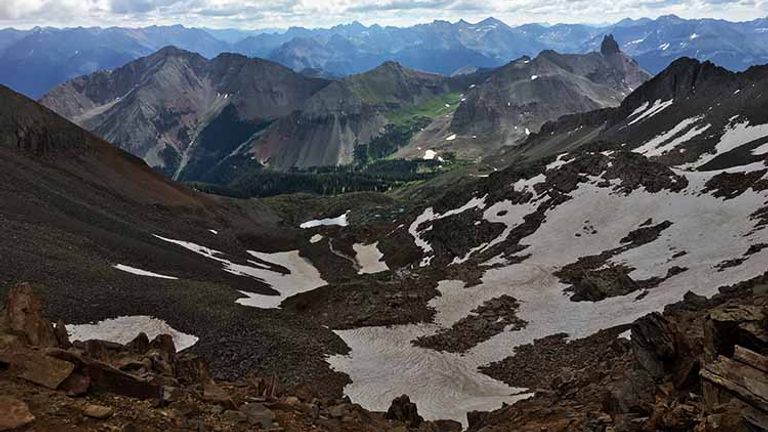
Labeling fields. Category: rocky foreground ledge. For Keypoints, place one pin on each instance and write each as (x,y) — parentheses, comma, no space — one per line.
(702,366)
(48,383)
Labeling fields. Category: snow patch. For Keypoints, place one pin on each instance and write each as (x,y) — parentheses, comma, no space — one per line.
(370,258)
(429,215)
(303,277)
(124,329)
(340,220)
(141,272)
(736,135)
(559,162)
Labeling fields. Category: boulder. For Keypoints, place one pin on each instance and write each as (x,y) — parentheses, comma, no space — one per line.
(139,344)
(234,416)
(729,326)
(62,336)
(191,369)
(109,379)
(164,344)
(634,394)
(258,414)
(98,411)
(597,285)
(215,394)
(15,413)
(402,409)
(37,367)
(75,384)
(24,316)
(447,426)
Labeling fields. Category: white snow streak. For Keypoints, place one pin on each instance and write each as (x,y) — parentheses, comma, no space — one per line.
(428,215)
(656,108)
(736,135)
(338,220)
(654,147)
(141,272)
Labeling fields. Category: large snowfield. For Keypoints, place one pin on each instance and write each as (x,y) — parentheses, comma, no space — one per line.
(384,364)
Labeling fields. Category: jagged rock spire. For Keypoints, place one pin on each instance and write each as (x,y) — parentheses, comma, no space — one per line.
(609,45)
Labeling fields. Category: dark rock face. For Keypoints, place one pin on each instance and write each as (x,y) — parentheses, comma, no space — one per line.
(609,46)
(402,409)
(653,343)
(730,326)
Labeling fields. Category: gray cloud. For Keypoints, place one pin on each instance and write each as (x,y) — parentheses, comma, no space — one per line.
(314,13)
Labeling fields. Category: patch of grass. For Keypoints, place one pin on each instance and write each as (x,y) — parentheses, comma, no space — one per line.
(432,108)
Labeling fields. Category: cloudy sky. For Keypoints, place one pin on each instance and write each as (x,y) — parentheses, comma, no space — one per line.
(321,13)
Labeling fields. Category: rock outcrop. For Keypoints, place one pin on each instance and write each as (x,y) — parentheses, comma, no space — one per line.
(146,385)
(701,365)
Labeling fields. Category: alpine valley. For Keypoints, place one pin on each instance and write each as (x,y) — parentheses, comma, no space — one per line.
(568,233)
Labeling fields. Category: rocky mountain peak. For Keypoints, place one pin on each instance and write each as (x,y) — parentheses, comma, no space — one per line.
(609,46)
(682,78)
(172,51)
(391,65)
(491,21)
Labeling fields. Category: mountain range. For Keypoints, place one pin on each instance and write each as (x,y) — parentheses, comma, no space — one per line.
(500,301)
(216,121)
(175,107)
(33,61)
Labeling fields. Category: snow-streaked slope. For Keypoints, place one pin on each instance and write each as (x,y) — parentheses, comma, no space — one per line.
(736,135)
(383,363)
(674,137)
(429,215)
(302,276)
(657,107)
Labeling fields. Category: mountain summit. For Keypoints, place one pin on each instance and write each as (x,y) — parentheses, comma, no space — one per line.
(518,98)
(609,46)
(166,107)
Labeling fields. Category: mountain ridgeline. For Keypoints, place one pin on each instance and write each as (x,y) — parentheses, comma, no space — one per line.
(33,61)
(175,108)
(224,121)
(693,114)
(519,97)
